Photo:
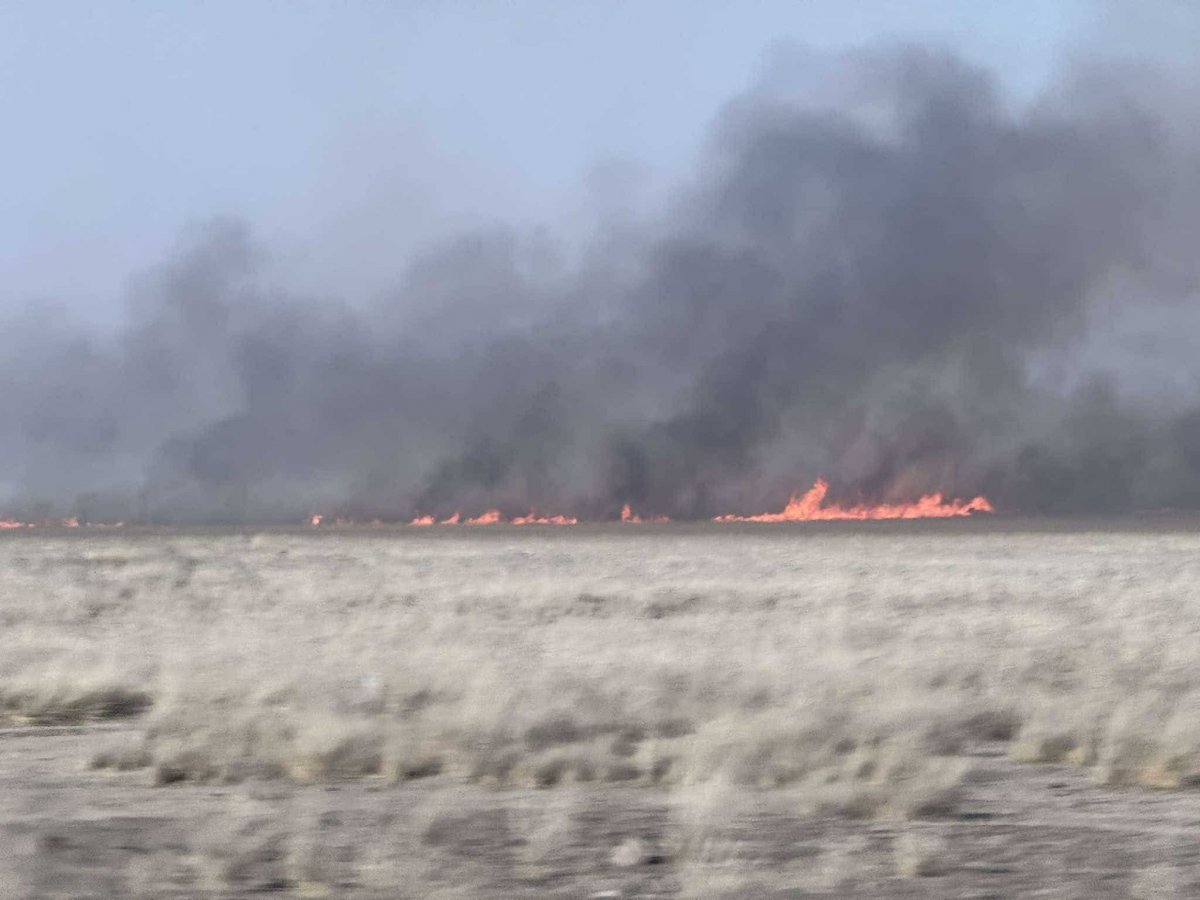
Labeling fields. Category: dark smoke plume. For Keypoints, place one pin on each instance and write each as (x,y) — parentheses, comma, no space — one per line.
(893,275)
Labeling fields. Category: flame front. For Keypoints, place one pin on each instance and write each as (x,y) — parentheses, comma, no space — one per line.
(69,522)
(809,508)
(491,517)
(534,519)
(629,516)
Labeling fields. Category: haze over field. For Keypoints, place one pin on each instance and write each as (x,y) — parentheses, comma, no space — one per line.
(885,266)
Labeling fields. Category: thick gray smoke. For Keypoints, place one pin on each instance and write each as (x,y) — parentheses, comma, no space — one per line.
(888,273)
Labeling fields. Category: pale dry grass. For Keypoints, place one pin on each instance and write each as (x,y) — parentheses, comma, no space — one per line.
(919,855)
(849,667)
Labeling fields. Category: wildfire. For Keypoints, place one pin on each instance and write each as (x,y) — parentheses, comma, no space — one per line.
(491,517)
(70,522)
(809,508)
(495,517)
(629,516)
(534,519)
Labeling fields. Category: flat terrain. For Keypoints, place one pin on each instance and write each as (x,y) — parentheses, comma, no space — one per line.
(951,709)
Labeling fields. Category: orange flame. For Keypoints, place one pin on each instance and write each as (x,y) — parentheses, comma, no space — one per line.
(69,522)
(495,517)
(809,508)
(534,519)
(628,515)
(491,517)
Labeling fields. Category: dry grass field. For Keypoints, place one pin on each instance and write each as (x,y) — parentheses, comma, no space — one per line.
(957,709)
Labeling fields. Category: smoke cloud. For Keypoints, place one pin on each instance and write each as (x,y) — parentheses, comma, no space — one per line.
(886,271)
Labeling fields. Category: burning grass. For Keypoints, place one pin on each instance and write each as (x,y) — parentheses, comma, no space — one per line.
(849,670)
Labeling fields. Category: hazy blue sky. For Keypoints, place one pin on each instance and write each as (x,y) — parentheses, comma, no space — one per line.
(347,132)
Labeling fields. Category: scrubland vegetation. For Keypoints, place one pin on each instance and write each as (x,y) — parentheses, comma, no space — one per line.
(846,671)
(854,664)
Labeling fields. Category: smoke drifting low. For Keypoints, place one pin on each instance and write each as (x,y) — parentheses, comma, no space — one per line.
(887,272)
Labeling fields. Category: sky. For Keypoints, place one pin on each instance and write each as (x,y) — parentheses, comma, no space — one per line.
(348,134)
